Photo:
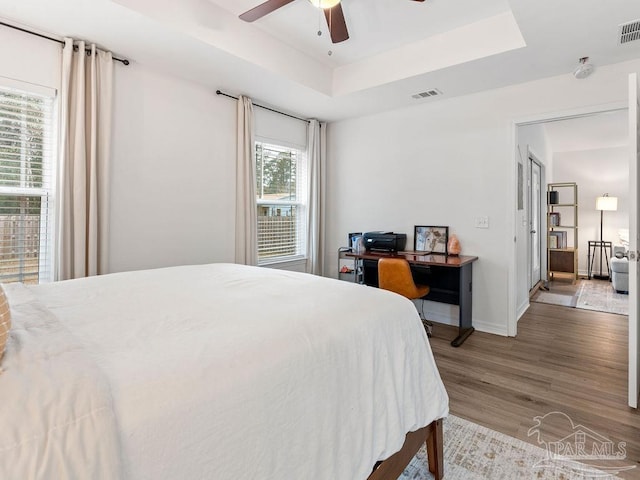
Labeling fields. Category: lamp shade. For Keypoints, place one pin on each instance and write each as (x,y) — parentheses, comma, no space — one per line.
(607,203)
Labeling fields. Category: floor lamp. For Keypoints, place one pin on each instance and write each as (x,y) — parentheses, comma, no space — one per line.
(610,204)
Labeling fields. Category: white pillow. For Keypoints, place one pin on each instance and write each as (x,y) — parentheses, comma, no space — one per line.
(623,234)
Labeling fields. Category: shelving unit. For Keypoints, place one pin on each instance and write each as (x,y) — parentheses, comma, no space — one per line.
(562,231)
(346,263)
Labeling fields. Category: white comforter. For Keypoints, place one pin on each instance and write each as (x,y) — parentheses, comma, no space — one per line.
(56,413)
(230,372)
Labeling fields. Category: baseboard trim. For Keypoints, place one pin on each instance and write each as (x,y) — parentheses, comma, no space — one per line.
(522,309)
(439,318)
(479,325)
(490,327)
(535,288)
(448,315)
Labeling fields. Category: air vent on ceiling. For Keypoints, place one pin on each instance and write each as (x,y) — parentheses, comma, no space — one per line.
(429,93)
(629,32)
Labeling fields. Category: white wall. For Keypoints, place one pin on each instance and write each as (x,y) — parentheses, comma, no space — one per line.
(173,172)
(446,162)
(280,129)
(29,59)
(596,172)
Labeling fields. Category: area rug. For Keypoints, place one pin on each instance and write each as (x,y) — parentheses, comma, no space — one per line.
(602,297)
(556,299)
(474,452)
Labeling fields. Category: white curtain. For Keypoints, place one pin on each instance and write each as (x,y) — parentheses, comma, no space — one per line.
(246,207)
(83,177)
(317,147)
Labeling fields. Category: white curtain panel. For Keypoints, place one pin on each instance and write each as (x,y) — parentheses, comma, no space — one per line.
(246,206)
(85,129)
(316,150)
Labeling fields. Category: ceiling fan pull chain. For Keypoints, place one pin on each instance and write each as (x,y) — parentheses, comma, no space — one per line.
(330,27)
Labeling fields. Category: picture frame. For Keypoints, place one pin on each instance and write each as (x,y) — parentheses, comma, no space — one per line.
(554,219)
(432,239)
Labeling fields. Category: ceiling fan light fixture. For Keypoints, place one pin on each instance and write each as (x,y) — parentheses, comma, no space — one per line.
(324,4)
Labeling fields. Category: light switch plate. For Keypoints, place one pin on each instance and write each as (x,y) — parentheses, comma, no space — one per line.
(482,222)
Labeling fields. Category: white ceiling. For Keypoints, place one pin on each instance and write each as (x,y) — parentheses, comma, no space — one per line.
(592,132)
(375,26)
(397,47)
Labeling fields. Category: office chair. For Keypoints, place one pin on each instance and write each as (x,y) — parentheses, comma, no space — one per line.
(394,274)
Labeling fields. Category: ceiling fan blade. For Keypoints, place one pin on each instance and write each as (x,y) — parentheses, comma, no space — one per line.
(263,9)
(337,24)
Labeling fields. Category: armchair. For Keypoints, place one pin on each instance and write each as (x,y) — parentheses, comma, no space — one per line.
(620,269)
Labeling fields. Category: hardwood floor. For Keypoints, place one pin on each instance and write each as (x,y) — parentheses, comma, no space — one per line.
(563,359)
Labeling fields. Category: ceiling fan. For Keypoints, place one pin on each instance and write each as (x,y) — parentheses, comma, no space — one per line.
(332,12)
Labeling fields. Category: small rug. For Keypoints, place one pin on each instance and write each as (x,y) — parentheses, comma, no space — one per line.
(474,452)
(600,296)
(556,299)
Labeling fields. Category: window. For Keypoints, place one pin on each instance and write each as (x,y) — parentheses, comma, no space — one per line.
(281,194)
(26,200)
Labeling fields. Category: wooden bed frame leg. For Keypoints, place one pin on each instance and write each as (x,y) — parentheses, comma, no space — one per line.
(393,466)
(435,450)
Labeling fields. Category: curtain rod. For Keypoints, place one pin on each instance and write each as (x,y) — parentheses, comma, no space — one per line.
(123,60)
(218,92)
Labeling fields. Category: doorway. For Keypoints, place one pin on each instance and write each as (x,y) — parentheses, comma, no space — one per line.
(588,158)
(595,186)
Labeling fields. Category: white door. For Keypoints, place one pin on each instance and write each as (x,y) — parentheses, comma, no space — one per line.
(535,226)
(634,223)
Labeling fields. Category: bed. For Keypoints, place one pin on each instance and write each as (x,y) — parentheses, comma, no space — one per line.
(215,371)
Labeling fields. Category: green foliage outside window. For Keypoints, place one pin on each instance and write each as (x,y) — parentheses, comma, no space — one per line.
(275,173)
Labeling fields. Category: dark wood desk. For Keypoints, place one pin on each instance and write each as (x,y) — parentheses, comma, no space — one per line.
(449,278)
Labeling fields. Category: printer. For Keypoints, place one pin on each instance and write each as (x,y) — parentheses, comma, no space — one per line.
(384,241)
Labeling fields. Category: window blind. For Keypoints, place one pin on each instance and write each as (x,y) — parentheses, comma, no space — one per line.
(281,191)
(26,186)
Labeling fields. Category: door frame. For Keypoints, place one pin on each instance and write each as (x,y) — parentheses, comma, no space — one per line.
(531,159)
(512,201)
(634,225)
